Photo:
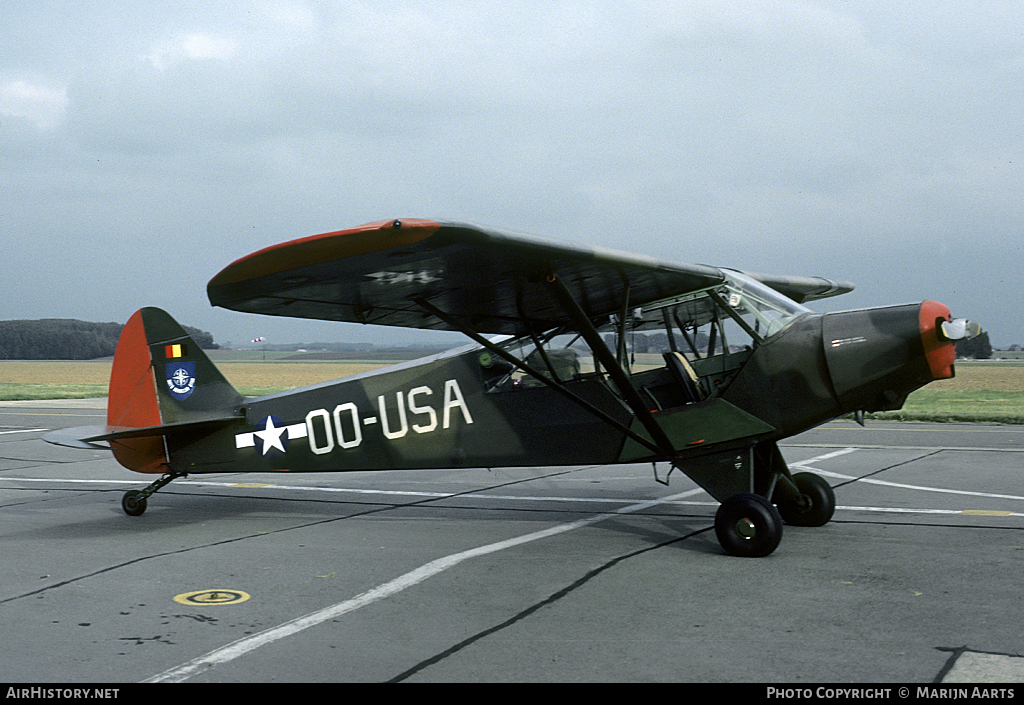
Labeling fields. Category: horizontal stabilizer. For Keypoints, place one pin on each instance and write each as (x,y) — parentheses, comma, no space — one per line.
(92,436)
(77,437)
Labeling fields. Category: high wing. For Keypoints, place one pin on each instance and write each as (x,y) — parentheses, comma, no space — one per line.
(803,289)
(394,272)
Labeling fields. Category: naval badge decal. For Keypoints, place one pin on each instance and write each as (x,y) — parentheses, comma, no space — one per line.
(181,379)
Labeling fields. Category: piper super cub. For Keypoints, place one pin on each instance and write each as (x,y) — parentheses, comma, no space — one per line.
(577,356)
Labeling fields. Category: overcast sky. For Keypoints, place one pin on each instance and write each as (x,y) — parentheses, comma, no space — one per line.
(146,145)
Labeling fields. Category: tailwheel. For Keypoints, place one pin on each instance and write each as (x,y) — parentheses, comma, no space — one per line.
(748,525)
(133,503)
(816,504)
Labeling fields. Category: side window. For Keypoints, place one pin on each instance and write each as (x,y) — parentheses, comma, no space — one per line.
(563,356)
(695,342)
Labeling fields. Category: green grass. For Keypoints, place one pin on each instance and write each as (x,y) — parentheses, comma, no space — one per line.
(24,391)
(959,405)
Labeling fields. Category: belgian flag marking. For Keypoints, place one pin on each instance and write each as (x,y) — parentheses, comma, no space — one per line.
(172,352)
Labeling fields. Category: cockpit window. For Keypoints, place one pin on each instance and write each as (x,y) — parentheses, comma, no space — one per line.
(714,330)
(765,310)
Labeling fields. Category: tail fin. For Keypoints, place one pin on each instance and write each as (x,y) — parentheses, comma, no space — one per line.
(160,378)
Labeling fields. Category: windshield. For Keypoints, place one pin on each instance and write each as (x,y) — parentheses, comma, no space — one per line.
(766,310)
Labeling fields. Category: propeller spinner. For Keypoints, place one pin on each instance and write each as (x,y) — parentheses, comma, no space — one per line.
(959,329)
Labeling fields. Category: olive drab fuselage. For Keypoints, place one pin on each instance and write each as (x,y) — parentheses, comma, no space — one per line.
(469,408)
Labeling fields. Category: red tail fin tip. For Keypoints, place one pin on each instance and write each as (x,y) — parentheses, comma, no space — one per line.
(132,400)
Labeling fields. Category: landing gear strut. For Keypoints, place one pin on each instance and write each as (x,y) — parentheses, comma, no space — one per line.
(749,524)
(134,501)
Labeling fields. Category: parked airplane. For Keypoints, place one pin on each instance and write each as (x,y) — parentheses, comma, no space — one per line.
(552,375)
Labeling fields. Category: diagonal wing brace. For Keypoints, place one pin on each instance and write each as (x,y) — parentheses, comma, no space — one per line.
(540,376)
(618,376)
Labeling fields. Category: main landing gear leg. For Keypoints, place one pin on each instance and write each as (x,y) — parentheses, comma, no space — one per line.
(750,524)
(134,501)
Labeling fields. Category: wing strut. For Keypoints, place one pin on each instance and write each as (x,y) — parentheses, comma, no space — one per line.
(717,298)
(537,374)
(615,371)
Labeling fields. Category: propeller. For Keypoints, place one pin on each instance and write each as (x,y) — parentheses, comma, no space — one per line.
(959,329)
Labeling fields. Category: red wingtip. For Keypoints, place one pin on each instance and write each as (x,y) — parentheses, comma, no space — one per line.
(371,237)
(132,400)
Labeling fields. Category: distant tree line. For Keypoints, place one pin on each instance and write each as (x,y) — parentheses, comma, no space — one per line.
(658,342)
(68,339)
(977,348)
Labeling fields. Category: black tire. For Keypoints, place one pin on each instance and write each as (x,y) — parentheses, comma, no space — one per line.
(133,503)
(748,525)
(819,499)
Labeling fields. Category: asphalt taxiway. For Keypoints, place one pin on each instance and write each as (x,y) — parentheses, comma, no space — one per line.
(538,574)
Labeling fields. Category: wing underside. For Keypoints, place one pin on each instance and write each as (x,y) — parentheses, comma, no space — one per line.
(485,279)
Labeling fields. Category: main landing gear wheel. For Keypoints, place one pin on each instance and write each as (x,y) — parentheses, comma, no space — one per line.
(748,525)
(133,503)
(817,503)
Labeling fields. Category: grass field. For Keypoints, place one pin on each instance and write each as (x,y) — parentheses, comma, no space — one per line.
(990,392)
(44,379)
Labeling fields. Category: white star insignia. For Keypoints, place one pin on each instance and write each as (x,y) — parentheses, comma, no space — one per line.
(271,436)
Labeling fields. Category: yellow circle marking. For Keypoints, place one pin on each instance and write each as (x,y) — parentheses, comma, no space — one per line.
(212,597)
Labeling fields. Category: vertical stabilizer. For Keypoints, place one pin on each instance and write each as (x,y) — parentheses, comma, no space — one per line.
(160,376)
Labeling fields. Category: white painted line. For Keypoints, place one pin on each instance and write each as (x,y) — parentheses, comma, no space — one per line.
(975,667)
(806,465)
(921,488)
(97,403)
(908,510)
(59,481)
(826,456)
(351,490)
(244,646)
(23,430)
